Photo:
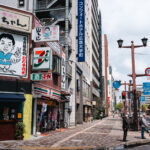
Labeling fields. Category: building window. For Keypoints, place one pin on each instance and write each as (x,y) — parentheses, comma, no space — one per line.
(56,64)
(21,3)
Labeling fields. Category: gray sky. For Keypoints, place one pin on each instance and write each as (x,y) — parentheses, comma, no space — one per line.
(128,20)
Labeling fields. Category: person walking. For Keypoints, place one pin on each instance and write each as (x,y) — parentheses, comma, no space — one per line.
(125,127)
(144,125)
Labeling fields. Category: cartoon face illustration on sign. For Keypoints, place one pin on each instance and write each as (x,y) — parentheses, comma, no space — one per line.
(47,32)
(7,54)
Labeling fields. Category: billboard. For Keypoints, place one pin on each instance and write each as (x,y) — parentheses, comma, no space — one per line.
(42,58)
(15,20)
(13,54)
(81,32)
(45,34)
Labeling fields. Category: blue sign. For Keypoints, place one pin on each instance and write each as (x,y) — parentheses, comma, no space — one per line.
(146,92)
(146,88)
(116,84)
(142,98)
(81,34)
(146,85)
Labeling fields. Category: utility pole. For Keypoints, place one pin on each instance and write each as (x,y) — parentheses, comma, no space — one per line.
(132,47)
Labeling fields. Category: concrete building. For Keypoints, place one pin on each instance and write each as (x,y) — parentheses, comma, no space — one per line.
(26,5)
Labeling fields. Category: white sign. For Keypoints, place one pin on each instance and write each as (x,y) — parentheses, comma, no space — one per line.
(47,33)
(63,71)
(42,58)
(13,54)
(15,20)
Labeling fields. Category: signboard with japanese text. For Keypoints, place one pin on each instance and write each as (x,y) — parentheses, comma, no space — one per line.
(41,76)
(146,88)
(15,20)
(55,46)
(63,71)
(13,54)
(81,32)
(42,58)
(45,34)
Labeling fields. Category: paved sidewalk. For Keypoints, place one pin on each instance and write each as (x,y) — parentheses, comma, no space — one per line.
(98,134)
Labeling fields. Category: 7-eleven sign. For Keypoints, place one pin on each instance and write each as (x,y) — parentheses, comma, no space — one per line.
(42,58)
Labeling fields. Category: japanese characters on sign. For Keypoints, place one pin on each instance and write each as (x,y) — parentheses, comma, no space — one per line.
(41,76)
(46,33)
(81,34)
(15,20)
(63,71)
(42,58)
(13,54)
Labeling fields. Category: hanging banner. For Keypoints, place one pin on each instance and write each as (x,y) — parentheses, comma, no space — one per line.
(81,32)
(15,20)
(13,54)
(42,58)
(45,34)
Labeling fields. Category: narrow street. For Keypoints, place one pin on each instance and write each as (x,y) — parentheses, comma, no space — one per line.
(106,133)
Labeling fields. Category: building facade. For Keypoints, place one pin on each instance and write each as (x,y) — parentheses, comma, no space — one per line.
(16,87)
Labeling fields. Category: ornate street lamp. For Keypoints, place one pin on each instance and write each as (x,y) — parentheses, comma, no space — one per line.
(132,47)
(120,42)
(144,41)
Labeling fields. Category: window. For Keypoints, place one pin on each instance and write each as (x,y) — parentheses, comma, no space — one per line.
(21,3)
(56,64)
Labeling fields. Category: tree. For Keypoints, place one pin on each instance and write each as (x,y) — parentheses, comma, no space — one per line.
(144,107)
(119,106)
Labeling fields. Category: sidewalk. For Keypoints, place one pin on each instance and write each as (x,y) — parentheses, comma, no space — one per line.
(105,133)
(133,137)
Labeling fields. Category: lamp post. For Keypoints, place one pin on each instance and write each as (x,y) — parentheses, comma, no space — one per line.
(132,47)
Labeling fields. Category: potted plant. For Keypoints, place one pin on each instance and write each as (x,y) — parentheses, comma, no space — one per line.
(20,130)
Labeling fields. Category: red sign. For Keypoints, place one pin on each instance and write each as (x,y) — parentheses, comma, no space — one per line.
(46,76)
(108,99)
(147,71)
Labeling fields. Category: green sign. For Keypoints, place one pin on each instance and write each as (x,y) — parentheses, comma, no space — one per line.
(41,76)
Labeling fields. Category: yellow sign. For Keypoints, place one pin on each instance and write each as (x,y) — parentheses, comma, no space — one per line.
(19,115)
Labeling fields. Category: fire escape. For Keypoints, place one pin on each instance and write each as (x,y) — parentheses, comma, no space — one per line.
(53,12)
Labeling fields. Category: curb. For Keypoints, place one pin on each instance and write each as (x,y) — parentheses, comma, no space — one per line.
(136,143)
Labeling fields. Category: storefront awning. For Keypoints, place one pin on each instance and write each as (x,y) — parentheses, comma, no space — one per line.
(65,93)
(11,97)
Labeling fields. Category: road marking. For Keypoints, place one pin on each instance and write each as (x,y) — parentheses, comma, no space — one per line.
(67,138)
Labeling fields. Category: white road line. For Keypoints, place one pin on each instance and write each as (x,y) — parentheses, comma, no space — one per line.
(67,138)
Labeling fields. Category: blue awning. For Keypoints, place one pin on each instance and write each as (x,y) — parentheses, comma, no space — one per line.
(5,97)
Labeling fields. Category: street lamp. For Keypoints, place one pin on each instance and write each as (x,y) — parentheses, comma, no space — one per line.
(120,44)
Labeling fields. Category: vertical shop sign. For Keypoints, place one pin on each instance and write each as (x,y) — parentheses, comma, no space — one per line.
(81,34)
(63,71)
(13,54)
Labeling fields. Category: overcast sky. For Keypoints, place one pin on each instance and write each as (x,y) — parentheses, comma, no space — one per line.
(128,20)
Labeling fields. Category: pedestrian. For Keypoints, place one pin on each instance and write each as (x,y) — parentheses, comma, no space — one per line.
(113,114)
(144,125)
(125,127)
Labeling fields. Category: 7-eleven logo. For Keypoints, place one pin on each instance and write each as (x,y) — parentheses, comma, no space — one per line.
(43,57)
